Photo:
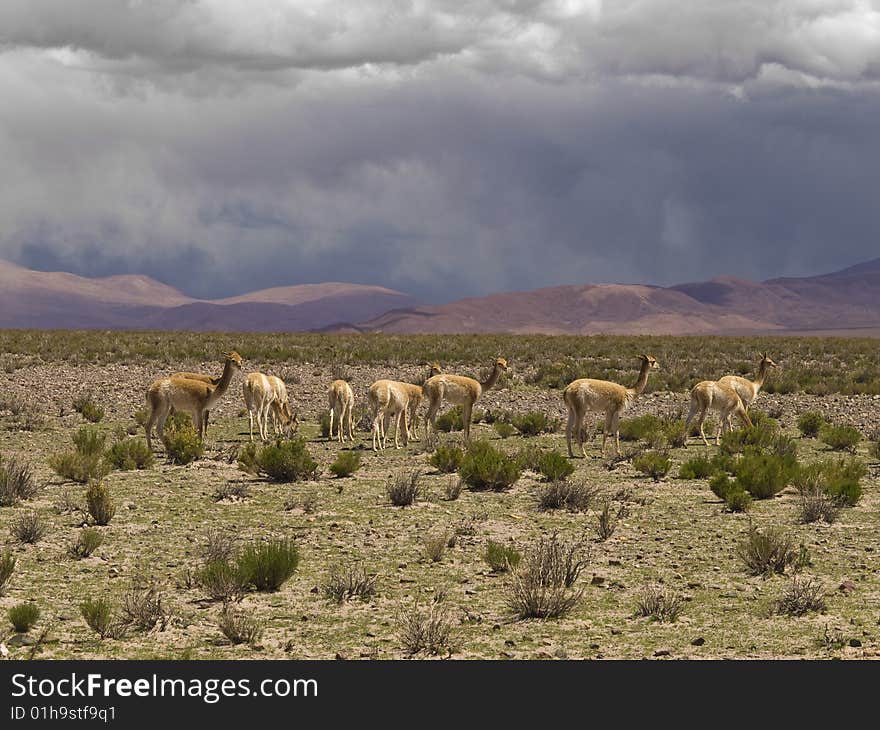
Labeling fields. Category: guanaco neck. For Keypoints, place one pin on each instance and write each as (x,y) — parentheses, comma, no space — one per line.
(223,384)
(642,380)
(762,373)
(492,379)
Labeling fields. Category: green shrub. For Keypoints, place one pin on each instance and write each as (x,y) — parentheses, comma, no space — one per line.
(763,475)
(642,427)
(99,503)
(86,543)
(268,565)
(501,557)
(435,545)
(771,551)
(765,437)
(738,500)
(450,421)
(810,423)
(346,464)
(89,441)
(86,406)
(675,433)
(99,616)
(529,457)
(78,468)
(656,464)
(222,580)
(324,421)
(16,482)
(839,479)
(698,467)
(485,467)
(815,505)
(404,488)
(504,429)
(142,606)
(534,423)
(7,568)
(23,616)
(841,438)
(428,632)
(554,466)
(720,484)
(182,443)
(130,454)
(446,459)
(286,461)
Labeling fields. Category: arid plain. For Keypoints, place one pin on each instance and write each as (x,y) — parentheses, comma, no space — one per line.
(673,537)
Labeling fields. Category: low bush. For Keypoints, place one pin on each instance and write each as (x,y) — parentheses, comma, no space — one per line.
(675,433)
(7,568)
(450,421)
(239,626)
(801,596)
(222,580)
(839,479)
(427,631)
(86,543)
(655,464)
(452,489)
(738,500)
(607,519)
(534,423)
(87,408)
(346,464)
(343,584)
(435,545)
(267,566)
(404,488)
(231,492)
(99,503)
(182,443)
(504,429)
(763,475)
(771,551)
(501,557)
(659,603)
(816,505)
(100,617)
(699,467)
(810,423)
(485,467)
(573,495)
(641,427)
(554,466)
(78,468)
(23,616)
(130,454)
(542,585)
(142,606)
(446,459)
(840,438)
(324,422)
(16,482)
(89,441)
(283,461)
(28,527)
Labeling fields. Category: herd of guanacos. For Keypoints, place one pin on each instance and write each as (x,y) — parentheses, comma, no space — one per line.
(266,395)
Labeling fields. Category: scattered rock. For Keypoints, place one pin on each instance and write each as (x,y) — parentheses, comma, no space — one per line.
(597,580)
(847,586)
(855,643)
(699,641)
(661,652)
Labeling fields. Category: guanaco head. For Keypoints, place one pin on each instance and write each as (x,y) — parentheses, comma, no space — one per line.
(434,369)
(289,419)
(234,358)
(766,361)
(650,361)
(501,363)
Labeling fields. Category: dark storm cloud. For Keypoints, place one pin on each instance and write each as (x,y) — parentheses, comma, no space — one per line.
(446,149)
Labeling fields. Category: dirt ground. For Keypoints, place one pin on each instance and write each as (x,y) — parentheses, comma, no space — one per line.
(674,532)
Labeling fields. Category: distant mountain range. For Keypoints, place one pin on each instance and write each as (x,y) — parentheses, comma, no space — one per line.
(846,302)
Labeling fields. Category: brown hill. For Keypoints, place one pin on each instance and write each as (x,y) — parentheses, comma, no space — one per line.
(844,300)
(50,300)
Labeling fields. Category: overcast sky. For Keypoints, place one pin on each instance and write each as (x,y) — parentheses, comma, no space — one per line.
(446,149)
